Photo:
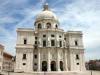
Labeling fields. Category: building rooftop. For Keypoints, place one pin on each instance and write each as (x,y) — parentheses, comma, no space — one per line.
(7,55)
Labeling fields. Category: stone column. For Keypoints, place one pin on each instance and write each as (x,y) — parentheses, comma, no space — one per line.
(58,64)
(49,68)
(65,61)
(38,60)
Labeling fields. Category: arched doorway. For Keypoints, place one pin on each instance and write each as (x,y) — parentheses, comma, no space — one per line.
(61,65)
(53,66)
(44,66)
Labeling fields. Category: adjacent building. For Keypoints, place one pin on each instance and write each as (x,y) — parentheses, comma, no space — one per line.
(1,56)
(93,65)
(6,60)
(47,47)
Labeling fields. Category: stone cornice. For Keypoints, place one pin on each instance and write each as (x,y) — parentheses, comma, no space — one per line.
(24,46)
(24,50)
(76,47)
(73,33)
(25,30)
(54,30)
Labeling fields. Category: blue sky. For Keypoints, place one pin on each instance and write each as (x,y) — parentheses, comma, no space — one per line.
(83,15)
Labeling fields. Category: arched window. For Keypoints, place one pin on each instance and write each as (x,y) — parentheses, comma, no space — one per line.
(48,25)
(61,65)
(39,26)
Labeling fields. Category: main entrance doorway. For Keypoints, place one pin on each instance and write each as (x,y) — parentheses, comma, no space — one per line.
(44,66)
(53,66)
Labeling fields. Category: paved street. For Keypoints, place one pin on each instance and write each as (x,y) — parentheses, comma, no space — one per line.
(57,73)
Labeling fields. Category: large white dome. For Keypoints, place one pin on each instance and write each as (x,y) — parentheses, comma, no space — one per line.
(46,14)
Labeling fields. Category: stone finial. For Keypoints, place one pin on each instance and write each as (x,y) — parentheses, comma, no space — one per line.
(45,7)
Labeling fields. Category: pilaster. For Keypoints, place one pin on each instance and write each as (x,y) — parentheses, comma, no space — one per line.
(58,61)
(65,61)
(38,59)
(49,69)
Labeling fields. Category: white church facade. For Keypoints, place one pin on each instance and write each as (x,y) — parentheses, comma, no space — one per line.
(47,47)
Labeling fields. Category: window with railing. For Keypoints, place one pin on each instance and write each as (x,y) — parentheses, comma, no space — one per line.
(39,26)
(48,25)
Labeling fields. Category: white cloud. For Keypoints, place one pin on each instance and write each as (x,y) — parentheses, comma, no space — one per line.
(7,19)
(8,37)
(42,1)
(8,40)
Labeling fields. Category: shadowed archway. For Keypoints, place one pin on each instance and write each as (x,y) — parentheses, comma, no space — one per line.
(44,66)
(53,66)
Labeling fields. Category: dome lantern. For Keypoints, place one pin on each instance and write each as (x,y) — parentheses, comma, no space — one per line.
(45,7)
